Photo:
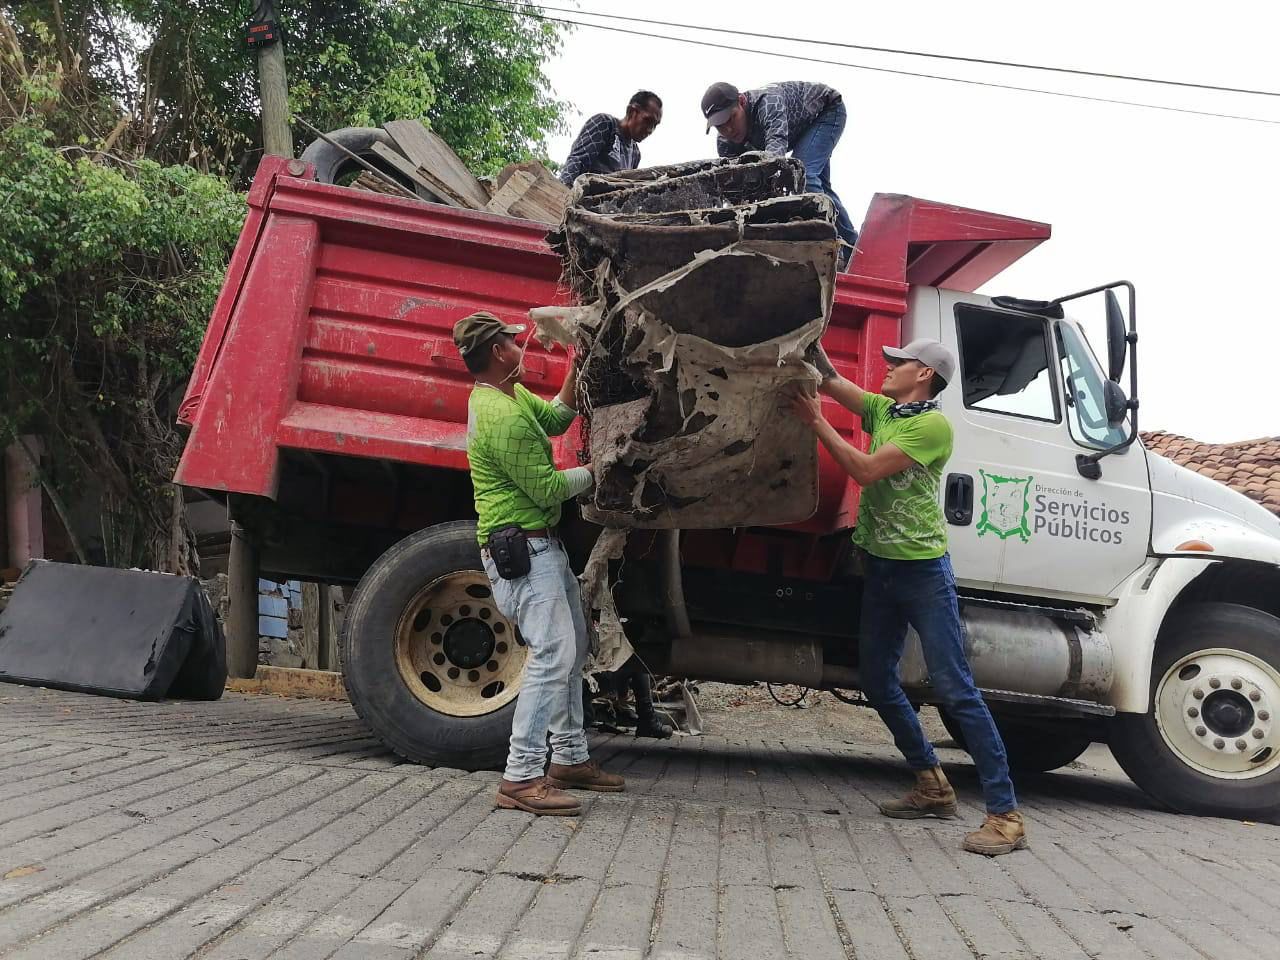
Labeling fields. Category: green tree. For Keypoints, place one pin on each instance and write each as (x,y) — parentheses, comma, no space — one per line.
(185,86)
(108,272)
(122,125)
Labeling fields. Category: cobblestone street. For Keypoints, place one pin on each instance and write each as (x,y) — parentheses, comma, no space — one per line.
(258,827)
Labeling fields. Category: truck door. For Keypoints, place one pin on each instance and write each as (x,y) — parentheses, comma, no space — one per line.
(1004,405)
(1030,399)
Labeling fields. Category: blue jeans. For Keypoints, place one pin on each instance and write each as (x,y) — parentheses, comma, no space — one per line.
(546,607)
(813,149)
(922,593)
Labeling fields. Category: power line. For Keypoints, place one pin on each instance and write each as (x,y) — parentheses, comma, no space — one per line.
(859,66)
(514,8)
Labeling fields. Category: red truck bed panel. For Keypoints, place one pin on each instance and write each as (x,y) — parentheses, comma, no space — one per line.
(332,333)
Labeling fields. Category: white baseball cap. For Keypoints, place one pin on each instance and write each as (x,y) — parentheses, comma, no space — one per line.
(931,353)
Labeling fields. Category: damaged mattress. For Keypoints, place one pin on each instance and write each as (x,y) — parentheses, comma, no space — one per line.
(701,286)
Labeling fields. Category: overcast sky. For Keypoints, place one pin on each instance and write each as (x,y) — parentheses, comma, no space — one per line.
(1182,205)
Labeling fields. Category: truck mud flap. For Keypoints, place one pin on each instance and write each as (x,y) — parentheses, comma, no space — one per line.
(121,633)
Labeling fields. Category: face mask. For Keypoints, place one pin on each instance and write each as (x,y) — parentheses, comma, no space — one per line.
(912,409)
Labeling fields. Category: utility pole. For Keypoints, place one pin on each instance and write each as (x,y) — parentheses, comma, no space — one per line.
(264,36)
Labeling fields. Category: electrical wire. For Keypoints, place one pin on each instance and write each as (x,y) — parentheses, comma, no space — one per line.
(861,66)
(514,7)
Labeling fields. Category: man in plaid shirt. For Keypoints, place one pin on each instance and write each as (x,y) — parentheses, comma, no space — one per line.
(607,144)
(803,119)
(516,484)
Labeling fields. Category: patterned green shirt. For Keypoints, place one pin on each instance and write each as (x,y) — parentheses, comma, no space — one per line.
(515,479)
(900,517)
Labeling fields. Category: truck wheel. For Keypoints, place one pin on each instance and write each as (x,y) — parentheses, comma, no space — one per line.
(1210,744)
(427,659)
(1031,747)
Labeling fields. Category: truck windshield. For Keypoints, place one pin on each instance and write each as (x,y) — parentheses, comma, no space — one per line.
(1082,383)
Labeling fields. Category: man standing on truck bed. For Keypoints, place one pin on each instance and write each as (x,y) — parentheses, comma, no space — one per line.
(803,119)
(606,144)
(518,493)
(909,580)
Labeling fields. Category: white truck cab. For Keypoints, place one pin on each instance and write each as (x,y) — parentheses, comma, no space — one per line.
(1098,573)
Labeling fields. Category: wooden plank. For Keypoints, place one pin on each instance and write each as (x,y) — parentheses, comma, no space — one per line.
(429,151)
(527,166)
(310,644)
(367,181)
(406,167)
(291,682)
(510,192)
(531,198)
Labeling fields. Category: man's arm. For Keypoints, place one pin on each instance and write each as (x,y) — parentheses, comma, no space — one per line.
(557,416)
(596,137)
(864,468)
(773,118)
(523,458)
(844,392)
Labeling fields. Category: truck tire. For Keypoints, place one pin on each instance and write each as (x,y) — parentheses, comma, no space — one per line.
(334,166)
(1030,746)
(1210,744)
(427,659)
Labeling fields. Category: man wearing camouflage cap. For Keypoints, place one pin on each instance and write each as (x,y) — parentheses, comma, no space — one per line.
(518,496)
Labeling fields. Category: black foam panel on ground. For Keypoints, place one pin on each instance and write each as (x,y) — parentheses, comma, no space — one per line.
(123,633)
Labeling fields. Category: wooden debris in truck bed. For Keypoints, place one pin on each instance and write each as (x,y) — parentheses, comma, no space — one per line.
(530,195)
(435,161)
(367,181)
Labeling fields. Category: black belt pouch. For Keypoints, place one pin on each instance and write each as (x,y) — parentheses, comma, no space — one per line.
(509,551)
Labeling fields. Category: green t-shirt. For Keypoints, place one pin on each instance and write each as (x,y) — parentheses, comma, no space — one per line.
(515,479)
(900,517)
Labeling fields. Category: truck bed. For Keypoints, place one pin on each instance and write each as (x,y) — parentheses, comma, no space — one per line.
(332,334)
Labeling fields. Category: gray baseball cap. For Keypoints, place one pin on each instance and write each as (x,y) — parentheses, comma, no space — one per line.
(928,352)
(718,102)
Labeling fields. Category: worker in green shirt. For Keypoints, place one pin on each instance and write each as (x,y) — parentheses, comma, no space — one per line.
(909,580)
(518,493)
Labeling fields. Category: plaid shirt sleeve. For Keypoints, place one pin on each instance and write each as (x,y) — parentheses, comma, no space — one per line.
(595,138)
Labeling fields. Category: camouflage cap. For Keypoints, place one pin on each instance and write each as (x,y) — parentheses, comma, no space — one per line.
(472,332)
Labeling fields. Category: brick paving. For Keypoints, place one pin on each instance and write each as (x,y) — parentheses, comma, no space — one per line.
(256,827)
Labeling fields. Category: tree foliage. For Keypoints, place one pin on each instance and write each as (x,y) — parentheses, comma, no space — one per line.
(108,272)
(186,90)
(123,126)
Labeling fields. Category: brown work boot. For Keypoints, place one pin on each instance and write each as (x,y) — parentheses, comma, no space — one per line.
(932,796)
(537,796)
(586,775)
(1000,833)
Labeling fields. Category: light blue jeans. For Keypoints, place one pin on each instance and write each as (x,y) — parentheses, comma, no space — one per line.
(546,607)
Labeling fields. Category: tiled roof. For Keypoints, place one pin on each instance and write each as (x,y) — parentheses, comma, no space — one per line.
(1251,467)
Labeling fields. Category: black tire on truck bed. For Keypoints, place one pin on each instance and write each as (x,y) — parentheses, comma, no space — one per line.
(391,631)
(1201,643)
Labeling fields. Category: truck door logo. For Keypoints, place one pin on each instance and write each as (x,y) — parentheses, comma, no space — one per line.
(1006,501)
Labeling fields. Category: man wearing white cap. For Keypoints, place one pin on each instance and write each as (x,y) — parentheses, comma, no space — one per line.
(909,580)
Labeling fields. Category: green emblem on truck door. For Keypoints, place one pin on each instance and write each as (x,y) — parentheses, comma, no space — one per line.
(1006,501)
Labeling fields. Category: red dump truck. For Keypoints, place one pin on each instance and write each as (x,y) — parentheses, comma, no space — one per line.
(1105,592)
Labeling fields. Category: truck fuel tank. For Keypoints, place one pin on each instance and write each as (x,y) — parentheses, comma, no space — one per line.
(1038,650)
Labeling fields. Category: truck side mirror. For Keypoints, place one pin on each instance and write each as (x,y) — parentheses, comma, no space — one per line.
(1116,402)
(1117,341)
